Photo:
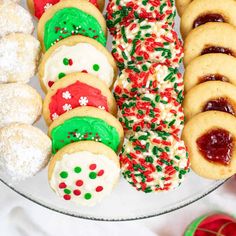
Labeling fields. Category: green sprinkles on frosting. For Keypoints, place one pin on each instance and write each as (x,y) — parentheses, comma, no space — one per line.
(64,174)
(92,175)
(77,169)
(61,75)
(96,67)
(87,196)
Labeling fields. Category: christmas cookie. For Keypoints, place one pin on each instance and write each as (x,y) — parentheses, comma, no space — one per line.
(25,150)
(19,103)
(74,55)
(211,95)
(19,54)
(86,123)
(209,137)
(147,40)
(68,18)
(210,38)
(84,173)
(210,67)
(14,19)
(75,90)
(154,161)
(125,10)
(181,5)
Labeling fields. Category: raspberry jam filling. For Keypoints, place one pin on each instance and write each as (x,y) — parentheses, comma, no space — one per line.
(203,19)
(213,77)
(216,146)
(213,49)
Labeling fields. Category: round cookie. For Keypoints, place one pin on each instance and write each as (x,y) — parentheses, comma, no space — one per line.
(19,103)
(25,150)
(86,123)
(68,18)
(75,54)
(211,95)
(210,38)
(210,67)
(200,12)
(14,19)
(19,57)
(75,90)
(209,137)
(84,173)
(181,5)
(147,40)
(154,161)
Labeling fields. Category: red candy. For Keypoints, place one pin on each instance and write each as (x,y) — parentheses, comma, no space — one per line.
(92,166)
(79,183)
(99,189)
(77,192)
(62,185)
(67,197)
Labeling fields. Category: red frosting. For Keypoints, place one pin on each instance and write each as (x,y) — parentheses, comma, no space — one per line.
(76,95)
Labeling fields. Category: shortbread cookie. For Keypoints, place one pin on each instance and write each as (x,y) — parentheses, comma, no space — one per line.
(86,123)
(147,40)
(210,67)
(209,137)
(69,18)
(154,161)
(19,54)
(25,150)
(76,54)
(84,173)
(14,19)
(210,38)
(75,90)
(19,103)
(181,5)
(211,95)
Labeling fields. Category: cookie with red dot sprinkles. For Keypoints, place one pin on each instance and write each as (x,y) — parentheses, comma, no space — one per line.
(154,161)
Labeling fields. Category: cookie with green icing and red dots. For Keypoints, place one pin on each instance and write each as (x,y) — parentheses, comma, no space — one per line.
(76,90)
(77,54)
(154,161)
(71,17)
(84,173)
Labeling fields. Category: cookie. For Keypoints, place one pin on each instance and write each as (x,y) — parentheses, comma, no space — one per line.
(75,90)
(154,161)
(211,95)
(19,103)
(125,10)
(14,19)
(209,137)
(69,18)
(181,5)
(19,57)
(84,173)
(86,123)
(75,54)
(210,67)
(210,38)
(25,150)
(147,40)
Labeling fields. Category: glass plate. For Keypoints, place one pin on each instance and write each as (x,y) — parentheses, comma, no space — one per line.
(125,203)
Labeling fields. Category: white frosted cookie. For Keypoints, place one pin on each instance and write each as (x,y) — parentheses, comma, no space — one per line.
(25,150)
(19,103)
(19,54)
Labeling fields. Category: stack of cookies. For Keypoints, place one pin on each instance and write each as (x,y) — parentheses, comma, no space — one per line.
(149,93)
(209,30)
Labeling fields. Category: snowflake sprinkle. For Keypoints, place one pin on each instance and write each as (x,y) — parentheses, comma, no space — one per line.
(67,107)
(66,95)
(101,107)
(83,101)
(54,116)
(47,6)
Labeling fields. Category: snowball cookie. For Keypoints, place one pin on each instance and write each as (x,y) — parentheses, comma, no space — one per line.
(211,95)
(25,150)
(181,5)
(19,103)
(19,55)
(210,38)
(210,67)
(210,139)
(84,173)
(14,19)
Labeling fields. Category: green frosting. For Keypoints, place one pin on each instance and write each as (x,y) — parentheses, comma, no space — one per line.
(84,128)
(194,225)
(72,21)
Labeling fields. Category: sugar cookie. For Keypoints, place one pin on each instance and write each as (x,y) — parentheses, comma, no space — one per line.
(181,5)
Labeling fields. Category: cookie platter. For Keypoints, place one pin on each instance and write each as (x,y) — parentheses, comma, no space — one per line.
(124,202)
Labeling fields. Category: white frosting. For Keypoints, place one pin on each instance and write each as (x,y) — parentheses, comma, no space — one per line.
(84,56)
(84,160)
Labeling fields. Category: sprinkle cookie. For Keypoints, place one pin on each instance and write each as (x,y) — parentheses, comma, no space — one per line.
(154,161)
(84,173)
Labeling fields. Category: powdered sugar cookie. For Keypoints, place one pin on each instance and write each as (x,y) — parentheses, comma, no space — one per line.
(74,55)
(75,90)
(19,103)
(84,173)
(19,54)
(68,18)
(25,150)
